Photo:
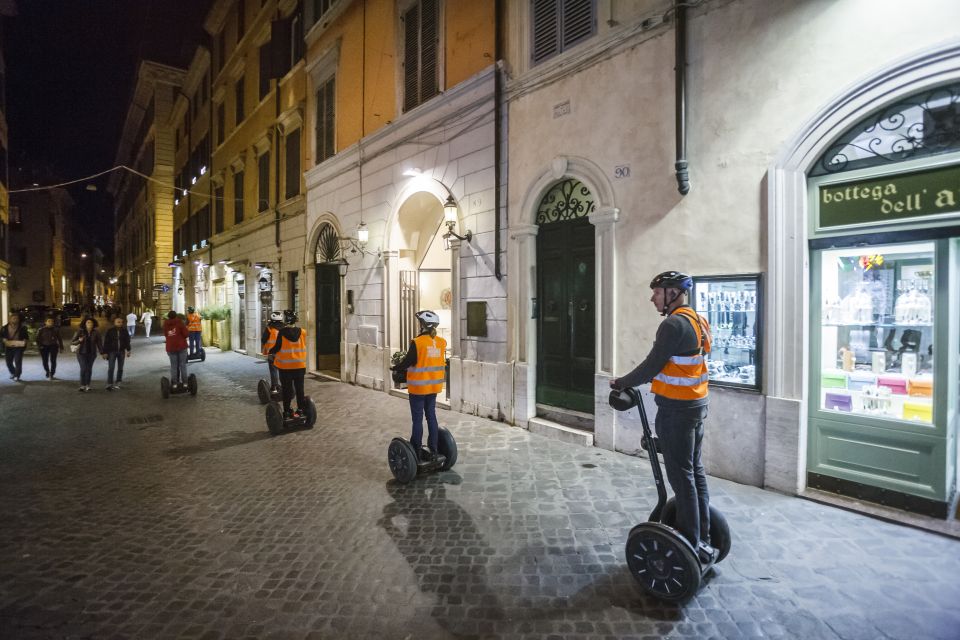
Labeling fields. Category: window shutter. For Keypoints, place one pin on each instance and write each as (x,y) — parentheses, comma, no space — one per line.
(546,29)
(429,45)
(280,41)
(578,21)
(293,164)
(329,112)
(411,58)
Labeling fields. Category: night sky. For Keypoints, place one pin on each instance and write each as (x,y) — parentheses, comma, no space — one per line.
(71,65)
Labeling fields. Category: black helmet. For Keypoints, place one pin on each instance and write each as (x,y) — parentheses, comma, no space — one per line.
(290,316)
(672,280)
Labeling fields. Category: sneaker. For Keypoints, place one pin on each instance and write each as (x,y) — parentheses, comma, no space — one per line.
(53,377)
(13,377)
(110,387)
(82,389)
(47,375)
(17,378)
(116,386)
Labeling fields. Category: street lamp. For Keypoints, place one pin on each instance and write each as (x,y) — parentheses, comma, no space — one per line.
(450,211)
(363,235)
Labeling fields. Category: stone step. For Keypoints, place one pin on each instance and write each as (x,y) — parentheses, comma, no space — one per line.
(561,432)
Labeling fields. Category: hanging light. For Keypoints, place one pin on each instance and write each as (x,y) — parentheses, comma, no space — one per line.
(363,234)
(450,211)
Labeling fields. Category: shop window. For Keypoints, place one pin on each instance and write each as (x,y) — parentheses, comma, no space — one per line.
(421,46)
(922,125)
(263,182)
(238,197)
(558,25)
(326,112)
(733,309)
(292,187)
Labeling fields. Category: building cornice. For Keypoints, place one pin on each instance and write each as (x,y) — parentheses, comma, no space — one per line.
(217,16)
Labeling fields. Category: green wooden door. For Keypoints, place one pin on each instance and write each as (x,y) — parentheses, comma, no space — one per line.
(328,317)
(566,317)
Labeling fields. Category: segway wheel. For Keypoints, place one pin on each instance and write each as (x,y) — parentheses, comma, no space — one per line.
(165,388)
(311,414)
(663,565)
(719,533)
(719,529)
(203,355)
(448,447)
(402,460)
(192,384)
(263,392)
(274,419)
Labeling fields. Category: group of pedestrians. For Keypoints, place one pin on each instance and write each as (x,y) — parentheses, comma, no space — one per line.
(113,346)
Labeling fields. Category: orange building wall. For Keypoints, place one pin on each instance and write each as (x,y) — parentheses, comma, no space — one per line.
(469,38)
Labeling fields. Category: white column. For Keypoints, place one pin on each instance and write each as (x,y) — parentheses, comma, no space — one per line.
(523,243)
(456,314)
(604,221)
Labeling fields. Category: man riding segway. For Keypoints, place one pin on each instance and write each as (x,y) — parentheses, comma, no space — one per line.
(268,339)
(289,356)
(195,329)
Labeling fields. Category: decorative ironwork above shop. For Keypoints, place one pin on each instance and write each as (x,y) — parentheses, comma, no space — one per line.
(924,124)
(328,245)
(566,200)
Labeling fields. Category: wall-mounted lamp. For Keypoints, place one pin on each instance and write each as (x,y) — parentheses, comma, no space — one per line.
(179,291)
(342,266)
(450,216)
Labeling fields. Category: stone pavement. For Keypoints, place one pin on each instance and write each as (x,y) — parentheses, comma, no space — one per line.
(128,516)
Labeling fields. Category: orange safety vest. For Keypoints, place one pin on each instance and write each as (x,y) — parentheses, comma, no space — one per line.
(292,355)
(427,375)
(271,340)
(686,377)
(193,322)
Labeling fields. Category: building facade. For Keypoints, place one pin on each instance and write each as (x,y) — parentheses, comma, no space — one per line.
(45,269)
(8,9)
(401,192)
(766,119)
(144,194)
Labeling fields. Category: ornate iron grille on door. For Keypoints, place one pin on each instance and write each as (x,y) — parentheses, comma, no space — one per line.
(409,305)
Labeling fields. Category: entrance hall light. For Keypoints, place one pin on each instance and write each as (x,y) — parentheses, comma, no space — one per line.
(450,216)
(363,235)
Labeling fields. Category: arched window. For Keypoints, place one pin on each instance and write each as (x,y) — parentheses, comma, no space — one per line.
(922,125)
(328,245)
(566,200)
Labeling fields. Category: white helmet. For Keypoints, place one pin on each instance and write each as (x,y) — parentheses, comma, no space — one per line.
(428,318)
(276,316)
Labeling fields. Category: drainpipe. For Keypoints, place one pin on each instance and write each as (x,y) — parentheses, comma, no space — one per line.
(680,70)
(497,132)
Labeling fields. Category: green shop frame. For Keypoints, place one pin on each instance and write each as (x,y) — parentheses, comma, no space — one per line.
(733,305)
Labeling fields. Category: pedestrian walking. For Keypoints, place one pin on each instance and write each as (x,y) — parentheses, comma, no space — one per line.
(147,319)
(676,366)
(87,344)
(195,329)
(175,336)
(116,349)
(51,345)
(289,356)
(131,323)
(425,364)
(15,343)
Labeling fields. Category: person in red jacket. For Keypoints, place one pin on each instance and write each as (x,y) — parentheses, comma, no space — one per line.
(175,334)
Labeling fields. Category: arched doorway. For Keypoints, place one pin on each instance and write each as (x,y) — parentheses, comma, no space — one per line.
(566,317)
(425,276)
(327,328)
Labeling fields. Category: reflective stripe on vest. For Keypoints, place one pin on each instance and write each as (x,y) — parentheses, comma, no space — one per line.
(193,322)
(292,355)
(271,340)
(427,375)
(686,377)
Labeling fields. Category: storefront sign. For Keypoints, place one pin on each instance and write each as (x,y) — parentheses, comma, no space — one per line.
(892,198)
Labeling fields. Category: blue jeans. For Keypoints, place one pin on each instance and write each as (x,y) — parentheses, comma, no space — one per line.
(274,376)
(86,361)
(680,432)
(178,367)
(195,343)
(131,329)
(421,405)
(115,359)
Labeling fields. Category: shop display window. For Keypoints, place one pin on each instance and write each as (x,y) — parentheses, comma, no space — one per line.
(732,306)
(876,343)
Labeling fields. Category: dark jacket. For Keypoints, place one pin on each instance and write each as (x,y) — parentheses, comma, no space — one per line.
(19,334)
(49,337)
(675,337)
(116,340)
(89,342)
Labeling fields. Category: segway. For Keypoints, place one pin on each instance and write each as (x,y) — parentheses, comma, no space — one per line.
(167,389)
(406,464)
(266,394)
(197,356)
(278,424)
(661,559)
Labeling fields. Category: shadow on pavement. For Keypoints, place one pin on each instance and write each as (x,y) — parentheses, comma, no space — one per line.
(227,440)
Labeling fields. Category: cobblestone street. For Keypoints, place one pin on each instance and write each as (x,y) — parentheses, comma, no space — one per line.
(129,516)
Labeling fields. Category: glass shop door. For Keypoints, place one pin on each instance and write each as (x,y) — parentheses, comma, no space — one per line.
(883,373)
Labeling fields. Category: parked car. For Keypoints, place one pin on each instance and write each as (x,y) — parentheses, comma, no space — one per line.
(34,313)
(72,310)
